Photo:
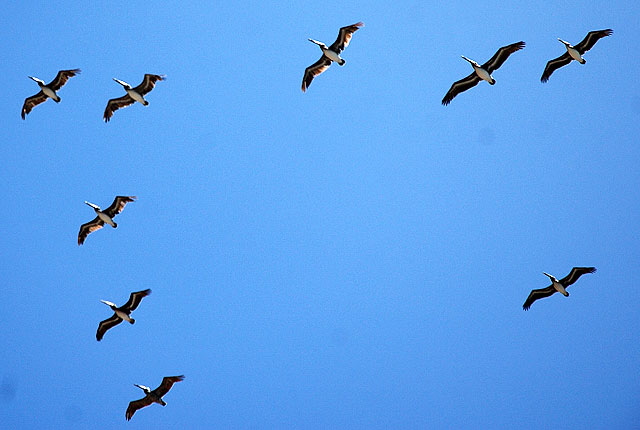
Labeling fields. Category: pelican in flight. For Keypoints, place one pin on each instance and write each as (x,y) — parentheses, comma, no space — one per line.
(47,90)
(103,216)
(557,286)
(122,313)
(481,73)
(152,396)
(330,54)
(133,94)
(574,52)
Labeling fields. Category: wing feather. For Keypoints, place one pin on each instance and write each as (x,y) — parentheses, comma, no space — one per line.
(555,64)
(591,38)
(461,86)
(118,205)
(106,325)
(90,227)
(501,56)
(31,102)
(61,78)
(314,70)
(537,294)
(148,82)
(575,273)
(137,404)
(135,299)
(115,104)
(167,383)
(344,37)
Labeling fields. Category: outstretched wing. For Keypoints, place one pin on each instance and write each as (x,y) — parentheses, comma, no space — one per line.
(115,104)
(148,83)
(61,78)
(90,227)
(575,273)
(135,299)
(118,204)
(461,86)
(344,37)
(137,404)
(501,56)
(591,38)
(554,64)
(31,102)
(167,383)
(314,70)
(106,325)
(537,294)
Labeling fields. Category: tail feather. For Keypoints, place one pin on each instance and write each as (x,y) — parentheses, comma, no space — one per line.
(132,321)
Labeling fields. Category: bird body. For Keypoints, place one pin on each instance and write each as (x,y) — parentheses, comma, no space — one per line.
(122,313)
(47,90)
(152,396)
(559,286)
(574,52)
(330,54)
(134,94)
(103,216)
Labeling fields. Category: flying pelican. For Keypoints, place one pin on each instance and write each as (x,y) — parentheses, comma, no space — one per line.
(574,52)
(154,396)
(481,72)
(133,94)
(121,313)
(48,90)
(330,54)
(104,216)
(557,286)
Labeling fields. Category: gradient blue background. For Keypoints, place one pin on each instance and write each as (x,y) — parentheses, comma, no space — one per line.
(353,257)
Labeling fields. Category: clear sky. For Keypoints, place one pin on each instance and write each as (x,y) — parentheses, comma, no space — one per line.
(355,256)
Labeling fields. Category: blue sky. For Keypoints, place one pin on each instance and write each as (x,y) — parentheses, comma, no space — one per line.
(355,256)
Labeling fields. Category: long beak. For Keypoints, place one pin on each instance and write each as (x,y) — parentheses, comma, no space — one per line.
(108,303)
(123,83)
(96,207)
(316,42)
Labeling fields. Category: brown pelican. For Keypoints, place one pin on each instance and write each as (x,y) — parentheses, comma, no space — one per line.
(152,396)
(133,94)
(557,286)
(481,72)
(330,54)
(104,216)
(121,313)
(48,90)
(574,52)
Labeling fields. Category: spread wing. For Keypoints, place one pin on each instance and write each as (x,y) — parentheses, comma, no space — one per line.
(575,273)
(501,56)
(148,83)
(344,37)
(461,86)
(555,64)
(167,383)
(135,299)
(118,204)
(314,70)
(61,78)
(591,38)
(537,294)
(115,104)
(106,325)
(90,227)
(137,404)
(31,102)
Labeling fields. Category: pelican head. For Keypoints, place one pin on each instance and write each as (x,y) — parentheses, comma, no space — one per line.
(564,42)
(550,276)
(110,304)
(147,390)
(38,81)
(95,207)
(123,83)
(473,63)
(320,44)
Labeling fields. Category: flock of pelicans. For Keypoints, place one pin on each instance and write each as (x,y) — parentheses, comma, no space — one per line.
(330,54)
